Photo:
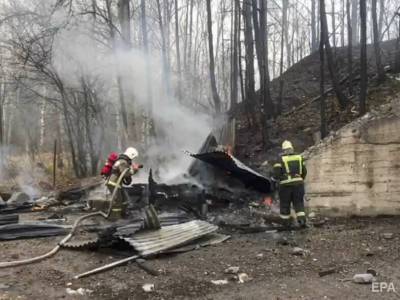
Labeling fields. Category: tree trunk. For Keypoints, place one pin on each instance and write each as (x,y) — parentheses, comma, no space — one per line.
(330,59)
(397,52)
(235,46)
(363,57)
(313,27)
(163,47)
(342,23)
(285,29)
(354,22)
(178,52)
(283,36)
(349,49)
(216,98)
(323,126)
(377,47)
(333,25)
(267,99)
(250,94)
(124,20)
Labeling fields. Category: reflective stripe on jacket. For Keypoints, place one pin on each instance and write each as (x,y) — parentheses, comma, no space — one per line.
(291,170)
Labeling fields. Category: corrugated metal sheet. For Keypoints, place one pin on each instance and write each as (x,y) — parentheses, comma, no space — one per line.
(168,237)
(204,241)
(136,225)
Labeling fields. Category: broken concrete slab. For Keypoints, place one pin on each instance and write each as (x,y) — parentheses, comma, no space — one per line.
(363,278)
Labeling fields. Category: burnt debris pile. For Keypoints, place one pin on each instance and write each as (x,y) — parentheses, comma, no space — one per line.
(217,191)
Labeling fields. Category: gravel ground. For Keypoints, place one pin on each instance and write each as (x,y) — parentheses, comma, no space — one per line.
(349,246)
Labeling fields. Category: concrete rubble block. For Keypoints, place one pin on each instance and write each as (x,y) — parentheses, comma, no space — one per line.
(298,251)
(148,287)
(78,292)
(19,198)
(219,282)
(364,278)
(243,277)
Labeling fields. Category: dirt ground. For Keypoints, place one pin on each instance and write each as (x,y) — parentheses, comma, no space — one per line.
(351,246)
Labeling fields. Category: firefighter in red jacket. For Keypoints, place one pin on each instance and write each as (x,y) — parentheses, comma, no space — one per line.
(124,164)
(119,166)
(290,173)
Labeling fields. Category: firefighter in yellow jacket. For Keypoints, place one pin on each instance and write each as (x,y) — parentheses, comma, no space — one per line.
(290,172)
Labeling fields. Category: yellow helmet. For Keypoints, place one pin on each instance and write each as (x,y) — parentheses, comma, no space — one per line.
(286,145)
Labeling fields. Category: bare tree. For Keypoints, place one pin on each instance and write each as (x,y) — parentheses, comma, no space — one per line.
(349,49)
(235,53)
(354,22)
(363,57)
(178,51)
(216,98)
(377,47)
(330,59)
(314,44)
(323,126)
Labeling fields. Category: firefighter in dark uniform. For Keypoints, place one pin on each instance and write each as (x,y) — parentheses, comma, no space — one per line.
(290,173)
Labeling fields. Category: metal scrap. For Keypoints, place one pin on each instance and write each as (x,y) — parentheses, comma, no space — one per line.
(237,169)
(30,230)
(168,237)
(8,219)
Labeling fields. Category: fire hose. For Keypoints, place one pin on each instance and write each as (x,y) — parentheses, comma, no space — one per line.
(71,233)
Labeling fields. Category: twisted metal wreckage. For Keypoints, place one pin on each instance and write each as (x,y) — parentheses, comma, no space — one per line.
(215,180)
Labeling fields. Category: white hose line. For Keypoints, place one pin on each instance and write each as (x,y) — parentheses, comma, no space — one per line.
(16,263)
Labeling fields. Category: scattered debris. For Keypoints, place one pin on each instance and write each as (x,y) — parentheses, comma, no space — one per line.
(144,266)
(4,286)
(78,292)
(243,277)
(8,219)
(232,270)
(326,272)
(298,251)
(372,272)
(363,278)
(30,230)
(220,282)
(388,235)
(148,287)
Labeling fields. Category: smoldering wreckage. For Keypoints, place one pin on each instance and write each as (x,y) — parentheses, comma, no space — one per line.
(219,193)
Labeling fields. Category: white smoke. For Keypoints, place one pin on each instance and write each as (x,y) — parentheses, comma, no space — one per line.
(178,127)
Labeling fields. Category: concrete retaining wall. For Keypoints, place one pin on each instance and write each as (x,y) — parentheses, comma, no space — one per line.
(357,170)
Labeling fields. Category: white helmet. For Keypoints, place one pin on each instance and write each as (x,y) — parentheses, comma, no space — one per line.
(131,153)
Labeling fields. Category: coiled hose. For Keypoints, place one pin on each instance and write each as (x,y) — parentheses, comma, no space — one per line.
(71,233)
